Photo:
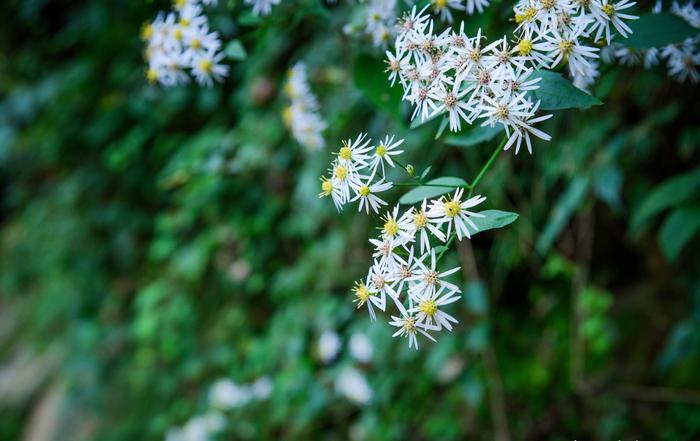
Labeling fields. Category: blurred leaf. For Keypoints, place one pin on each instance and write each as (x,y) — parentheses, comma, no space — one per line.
(678,228)
(443,125)
(607,183)
(562,211)
(478,336)
(556,92)
(492,219)
(417,194)
(670,193)
(368,76)
(235,51)
(658,30)
(476,135)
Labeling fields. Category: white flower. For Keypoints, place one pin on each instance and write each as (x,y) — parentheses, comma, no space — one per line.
(363,296)
(384,151)
(353,385)
(428,306)
(224,394)
(476,5)
(420,224)
(408,327)
(328,346)
(354,155)
(427,278)
(361,348)
(261,7)
(565,45)
(366,193)
(262,388)
(455,213)
(607,12)
(442,8)
(206,67)
(302,114)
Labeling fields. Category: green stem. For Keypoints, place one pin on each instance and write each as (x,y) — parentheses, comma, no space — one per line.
(486,166)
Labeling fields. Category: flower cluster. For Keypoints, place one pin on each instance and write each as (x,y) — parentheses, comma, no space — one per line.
(682,59)
(377,21)
(357,172)
(469,80)
(404,267)
(180,43)
(224,395)
(301,115)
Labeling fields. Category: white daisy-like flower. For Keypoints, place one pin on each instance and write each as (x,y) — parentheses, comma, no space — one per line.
(455,213)
(408,327)
(421,224)
(397,228)
(261,7)
(427,279)
(384,151)
(427,308)
(476,5)
(355,154)
(207,68)
(363,296)
(607,12)
(366,193)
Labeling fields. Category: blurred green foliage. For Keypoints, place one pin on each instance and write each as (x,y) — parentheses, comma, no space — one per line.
(154,240)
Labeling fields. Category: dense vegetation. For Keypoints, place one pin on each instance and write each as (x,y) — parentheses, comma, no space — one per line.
(154,240)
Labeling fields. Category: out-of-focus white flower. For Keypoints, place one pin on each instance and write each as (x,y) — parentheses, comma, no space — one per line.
(361,348)
(261,7)
(302,116)
(353,385)
(225,394)
(180,43)
(328,346)
(262,388)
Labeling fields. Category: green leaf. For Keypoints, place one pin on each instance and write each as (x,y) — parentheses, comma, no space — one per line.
(669,194)
(235,51)
(680,226)
(657,30)
(556,92)
(437,187)
(562,211)
(492,219)
(474,294)
(368,76)
(441,129)
(475,136)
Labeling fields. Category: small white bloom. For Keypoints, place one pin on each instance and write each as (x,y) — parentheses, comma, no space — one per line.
(328,346)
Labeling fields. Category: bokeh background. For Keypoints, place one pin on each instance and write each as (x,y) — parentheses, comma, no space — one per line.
(154,241)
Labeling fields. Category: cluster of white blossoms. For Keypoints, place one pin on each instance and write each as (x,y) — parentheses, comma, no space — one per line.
(377,21)
(357,173)
(301,116)
(224,395)
(682,59)
(404,267)
(179,44)
(469,80)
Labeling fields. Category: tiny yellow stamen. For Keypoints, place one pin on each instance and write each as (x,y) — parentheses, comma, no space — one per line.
(440,4)
(365,191)
(409,325)
(205,65)
(326,187)
(609,10)
(146,31)
(381,150)
(428,307)
(152,75)
(452,207)
(361,294)
(287,114)
(341,172)
(196,43)
(525,46)
(345,153)
(391,227)
(420,220)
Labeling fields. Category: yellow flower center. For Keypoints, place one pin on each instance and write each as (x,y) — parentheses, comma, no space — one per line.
(196,43)
(431,278)
(409,325)
(609,10)
(391,227)
(179,4)
(519,18)
(428,307)
(177,34)
(152,75)
(205,65)
(364,191)
(341,172)
(345,153)
(327,186)
(440,3)
(547,4)
(361,293)
(420,220)
(452,208)
(184,22)
(530,13)
(146,31)
(287,116)
(565,46)
(381,150)
(525,46)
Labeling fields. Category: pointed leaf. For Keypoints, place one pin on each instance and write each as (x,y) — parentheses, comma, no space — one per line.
(680,226)
(556,92)
(437,187)
(657,30)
